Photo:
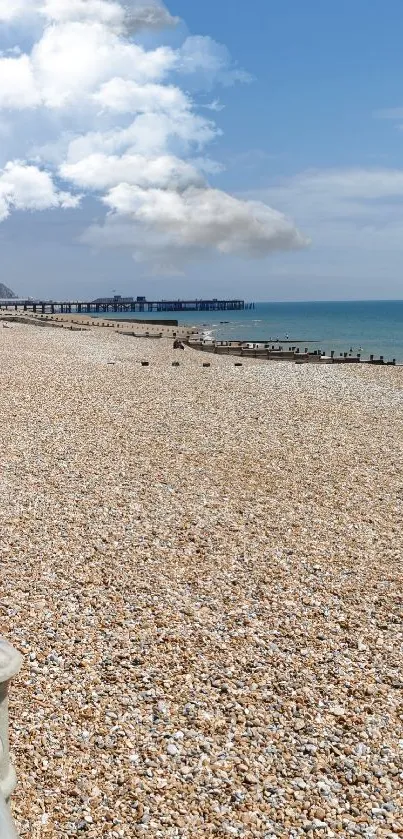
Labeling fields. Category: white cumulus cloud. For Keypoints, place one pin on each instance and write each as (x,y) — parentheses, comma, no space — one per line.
(103,11)
(130,14)
(112,118)
(128,97)
(24,187)
(100,172)
(12,9)
(206,217)
(18,89)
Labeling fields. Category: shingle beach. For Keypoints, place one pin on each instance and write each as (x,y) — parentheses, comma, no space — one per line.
(202,570)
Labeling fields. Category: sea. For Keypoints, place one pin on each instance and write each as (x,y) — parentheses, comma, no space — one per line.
(369,327)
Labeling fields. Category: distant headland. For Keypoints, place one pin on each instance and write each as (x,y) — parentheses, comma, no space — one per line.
(6,293)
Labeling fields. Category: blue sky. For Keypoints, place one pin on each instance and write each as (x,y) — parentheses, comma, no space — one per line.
(315,132)
(320,71)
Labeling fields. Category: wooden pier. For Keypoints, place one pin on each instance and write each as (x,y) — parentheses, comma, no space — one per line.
(123,304)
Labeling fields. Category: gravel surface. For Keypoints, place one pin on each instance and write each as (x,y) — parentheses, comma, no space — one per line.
(202,570)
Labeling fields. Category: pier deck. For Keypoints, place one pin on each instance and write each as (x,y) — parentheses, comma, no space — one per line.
(121,304)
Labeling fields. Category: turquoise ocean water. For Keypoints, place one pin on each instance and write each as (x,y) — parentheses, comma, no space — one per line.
(374,326)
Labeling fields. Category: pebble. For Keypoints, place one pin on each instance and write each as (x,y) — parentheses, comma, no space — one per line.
(191,569)
(337,711)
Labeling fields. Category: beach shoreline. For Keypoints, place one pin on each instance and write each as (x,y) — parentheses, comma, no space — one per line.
(196,338)
(162,328)
(202,570)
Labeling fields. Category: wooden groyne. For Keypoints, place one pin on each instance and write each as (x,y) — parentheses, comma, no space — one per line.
(151,321)
(277,352)
(144,328)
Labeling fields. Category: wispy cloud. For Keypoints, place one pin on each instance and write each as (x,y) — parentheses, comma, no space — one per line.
(348,213)
(354,217)
(389,113)
(251,159)
(358,197)
(215,105)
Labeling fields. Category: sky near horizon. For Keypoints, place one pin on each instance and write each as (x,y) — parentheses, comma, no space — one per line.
(195,149)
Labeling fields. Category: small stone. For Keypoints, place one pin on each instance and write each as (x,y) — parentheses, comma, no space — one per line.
(337,710)
(251,779)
